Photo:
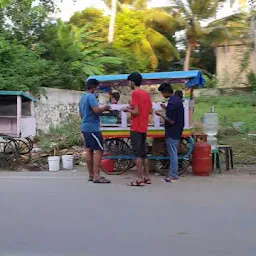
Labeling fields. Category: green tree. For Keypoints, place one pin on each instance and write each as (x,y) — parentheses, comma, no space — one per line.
(24,19)
(191,16)
(136,31)
(159,47)
(94,20)
(75,55)
(21,69)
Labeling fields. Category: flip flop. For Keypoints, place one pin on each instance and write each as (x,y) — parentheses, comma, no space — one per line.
(101,180)
(167,180)
(136,184)
(147,181)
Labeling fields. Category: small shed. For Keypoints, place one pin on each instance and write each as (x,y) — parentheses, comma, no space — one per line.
(17,114)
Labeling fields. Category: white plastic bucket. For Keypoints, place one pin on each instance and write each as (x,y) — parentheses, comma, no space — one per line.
(67,162)
(54,163)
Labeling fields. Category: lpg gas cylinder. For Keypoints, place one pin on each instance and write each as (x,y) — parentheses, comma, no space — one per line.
(202,157)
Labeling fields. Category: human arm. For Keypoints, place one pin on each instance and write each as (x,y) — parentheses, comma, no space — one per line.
(95,106)
(163,106)
(134,105)
(134,111)
(168,120)
(100,110)
(170,117)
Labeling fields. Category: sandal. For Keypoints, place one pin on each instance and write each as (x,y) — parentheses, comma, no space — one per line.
(101,180)
(90,179)
(136,183)
(147,181)
(167,180)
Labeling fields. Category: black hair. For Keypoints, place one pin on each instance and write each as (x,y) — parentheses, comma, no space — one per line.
(179,94)
(115,95)
(165,88)
(136,78)
(91,83)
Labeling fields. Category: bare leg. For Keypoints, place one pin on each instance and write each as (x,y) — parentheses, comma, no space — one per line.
(89,161)
(96,163)
(139,162)
(146,168)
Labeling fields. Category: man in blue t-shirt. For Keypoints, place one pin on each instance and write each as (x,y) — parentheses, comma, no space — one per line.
(90,114)
(174,124)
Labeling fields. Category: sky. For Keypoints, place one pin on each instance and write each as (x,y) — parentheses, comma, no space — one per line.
(67,7)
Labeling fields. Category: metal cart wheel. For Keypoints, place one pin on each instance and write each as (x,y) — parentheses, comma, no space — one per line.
(119,147)
(30,143)
(11,155)
(23,146)
(184,155)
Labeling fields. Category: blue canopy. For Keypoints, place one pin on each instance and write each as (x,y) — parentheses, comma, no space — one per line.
(189,78)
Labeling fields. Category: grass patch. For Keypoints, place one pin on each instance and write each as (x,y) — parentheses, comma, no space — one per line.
(230,109)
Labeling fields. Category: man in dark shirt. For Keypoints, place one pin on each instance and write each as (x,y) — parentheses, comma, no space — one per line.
(174,124)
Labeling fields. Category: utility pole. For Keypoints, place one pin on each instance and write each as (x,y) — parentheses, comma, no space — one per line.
(111,31)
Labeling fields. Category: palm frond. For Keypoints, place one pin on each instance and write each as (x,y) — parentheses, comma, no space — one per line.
(144,51)
(205,9)
(183,9)
(161,19)
(162,47)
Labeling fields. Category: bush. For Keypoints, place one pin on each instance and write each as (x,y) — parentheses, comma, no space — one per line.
(252,99)
(251,78)
(210,83)
(65,135)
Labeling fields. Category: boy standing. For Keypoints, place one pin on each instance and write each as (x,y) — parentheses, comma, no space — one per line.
(140,109)
(174,124)
(90,128)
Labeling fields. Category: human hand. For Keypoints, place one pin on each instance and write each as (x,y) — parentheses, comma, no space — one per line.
(157,113)
(163,105)
(125,109)
(106,108)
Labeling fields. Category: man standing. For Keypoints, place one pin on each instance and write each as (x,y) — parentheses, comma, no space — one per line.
(90,128)
(140,109)
(174,124)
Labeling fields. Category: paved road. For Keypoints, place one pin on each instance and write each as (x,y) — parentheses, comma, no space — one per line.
(63,214)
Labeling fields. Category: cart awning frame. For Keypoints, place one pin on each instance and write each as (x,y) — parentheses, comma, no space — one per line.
(192,78)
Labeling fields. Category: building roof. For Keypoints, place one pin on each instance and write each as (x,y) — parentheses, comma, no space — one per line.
(17,93)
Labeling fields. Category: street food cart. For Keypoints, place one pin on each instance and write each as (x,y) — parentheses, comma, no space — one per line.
(116,136)
(17,126)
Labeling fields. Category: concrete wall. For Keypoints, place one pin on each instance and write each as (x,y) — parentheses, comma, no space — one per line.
(229,58)
(56,107)
(59,104)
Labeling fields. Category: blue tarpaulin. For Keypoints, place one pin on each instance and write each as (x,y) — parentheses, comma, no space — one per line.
(190,78)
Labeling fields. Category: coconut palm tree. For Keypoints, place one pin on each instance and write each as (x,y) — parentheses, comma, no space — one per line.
(115,5)
(154,44)
(112,21)
(193,13)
